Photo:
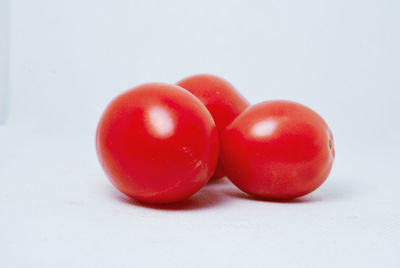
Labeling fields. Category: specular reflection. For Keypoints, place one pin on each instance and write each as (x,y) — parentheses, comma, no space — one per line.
(160,121)
(264,128)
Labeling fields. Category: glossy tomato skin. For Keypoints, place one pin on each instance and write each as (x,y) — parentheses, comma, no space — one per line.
(222,100)
(277,150)
(157,143)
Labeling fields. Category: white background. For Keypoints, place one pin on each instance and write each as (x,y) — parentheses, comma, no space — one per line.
(4,57)
(69,58)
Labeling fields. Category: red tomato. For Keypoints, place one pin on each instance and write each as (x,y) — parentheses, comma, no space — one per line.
(277,150)
(220,98)
(157,143)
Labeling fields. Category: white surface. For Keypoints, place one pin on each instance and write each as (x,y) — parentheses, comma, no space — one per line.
(68,59)
(4,57)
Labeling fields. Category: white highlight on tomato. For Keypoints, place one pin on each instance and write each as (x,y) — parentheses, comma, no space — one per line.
(264,128)
(161,122)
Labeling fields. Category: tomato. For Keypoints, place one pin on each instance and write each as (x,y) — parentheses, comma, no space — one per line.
(277,150)
(220,98)
(157,143)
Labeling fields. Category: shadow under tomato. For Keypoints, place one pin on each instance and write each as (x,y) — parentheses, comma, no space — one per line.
(329,191)
(219,181)
(206,198)
(238,194)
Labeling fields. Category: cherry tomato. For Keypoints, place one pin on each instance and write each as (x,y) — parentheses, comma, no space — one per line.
(157,143)
(277,150)
(222,100)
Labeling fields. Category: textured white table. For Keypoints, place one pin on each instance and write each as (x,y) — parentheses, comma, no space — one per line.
(59,210)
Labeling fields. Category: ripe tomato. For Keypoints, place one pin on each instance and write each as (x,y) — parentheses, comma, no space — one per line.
(277,150)
(157,143)
(221,99)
